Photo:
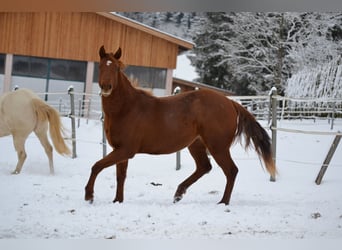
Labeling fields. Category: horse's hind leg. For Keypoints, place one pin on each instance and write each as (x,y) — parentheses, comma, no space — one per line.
(198,151)
(230,170)
(19,145)
(41,132)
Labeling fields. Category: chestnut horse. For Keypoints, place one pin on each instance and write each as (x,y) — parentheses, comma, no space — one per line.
(22,112)
(136,122)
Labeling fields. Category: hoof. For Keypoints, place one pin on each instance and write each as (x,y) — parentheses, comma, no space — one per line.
(177,199)
(89,198)
(117,200)
(15,172)
(223,202)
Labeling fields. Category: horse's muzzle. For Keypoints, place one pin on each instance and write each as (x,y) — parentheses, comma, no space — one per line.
(105,93)
(106,90)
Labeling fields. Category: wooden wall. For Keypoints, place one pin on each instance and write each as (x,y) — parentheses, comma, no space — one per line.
(78,36)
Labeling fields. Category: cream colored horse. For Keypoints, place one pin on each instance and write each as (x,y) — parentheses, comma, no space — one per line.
(22,112)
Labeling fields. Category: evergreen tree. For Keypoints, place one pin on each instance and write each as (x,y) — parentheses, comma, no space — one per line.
(180,24)
(209,52)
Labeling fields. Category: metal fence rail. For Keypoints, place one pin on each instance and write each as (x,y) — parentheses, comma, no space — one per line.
(89,106)
(270,108)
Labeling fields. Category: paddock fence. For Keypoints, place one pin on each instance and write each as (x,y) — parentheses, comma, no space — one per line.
(286,108)
(268,108)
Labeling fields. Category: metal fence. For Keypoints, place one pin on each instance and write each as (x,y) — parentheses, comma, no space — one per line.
(292,108)
(88,106)
(270,108)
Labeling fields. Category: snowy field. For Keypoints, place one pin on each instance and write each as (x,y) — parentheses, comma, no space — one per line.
(292,213)
(36,205)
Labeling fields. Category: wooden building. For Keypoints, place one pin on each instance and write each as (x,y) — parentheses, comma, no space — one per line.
(185,85)
(48,51)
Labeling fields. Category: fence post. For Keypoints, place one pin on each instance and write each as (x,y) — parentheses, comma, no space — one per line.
(88,110)
(79,113)
(104,142)
(269,108)
(178,160)
(328,158)
(60,105)
(72,116)
(333,115)
(273,100)
(176,91)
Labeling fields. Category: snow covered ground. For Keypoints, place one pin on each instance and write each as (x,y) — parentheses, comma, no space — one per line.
(37,205)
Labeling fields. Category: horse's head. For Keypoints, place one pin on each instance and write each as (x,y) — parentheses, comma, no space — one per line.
(109,69)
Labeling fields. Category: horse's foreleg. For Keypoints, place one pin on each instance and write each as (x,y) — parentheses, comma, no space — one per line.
(117,155)
(19,145)
(198,151)
(121,170)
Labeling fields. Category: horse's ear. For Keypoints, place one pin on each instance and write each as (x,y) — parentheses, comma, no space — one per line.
(117,54)
(102,52)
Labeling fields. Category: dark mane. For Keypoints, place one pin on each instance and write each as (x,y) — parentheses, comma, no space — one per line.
(135,83)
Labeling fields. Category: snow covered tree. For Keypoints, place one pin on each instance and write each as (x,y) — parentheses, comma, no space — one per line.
(312,38)
(322,81)
(315,47)
(251,52)
(256,50)
(246,51)
(179,24)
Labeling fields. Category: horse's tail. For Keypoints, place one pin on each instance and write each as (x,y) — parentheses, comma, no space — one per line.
(44,113)
(252,130)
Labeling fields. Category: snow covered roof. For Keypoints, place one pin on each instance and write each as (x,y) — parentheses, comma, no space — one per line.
(183,44)
(192,84)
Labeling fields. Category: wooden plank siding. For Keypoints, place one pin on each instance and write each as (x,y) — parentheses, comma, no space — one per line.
(78,36)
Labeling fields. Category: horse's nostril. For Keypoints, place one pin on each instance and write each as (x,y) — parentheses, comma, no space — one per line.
(106,86)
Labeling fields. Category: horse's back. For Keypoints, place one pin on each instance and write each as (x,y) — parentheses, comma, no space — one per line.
(185,116)
(207,106)
(16,110)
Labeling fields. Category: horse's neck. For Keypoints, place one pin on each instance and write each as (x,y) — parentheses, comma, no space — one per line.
(121,98)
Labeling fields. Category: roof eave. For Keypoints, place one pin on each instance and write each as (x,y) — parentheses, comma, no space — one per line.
(183,45)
